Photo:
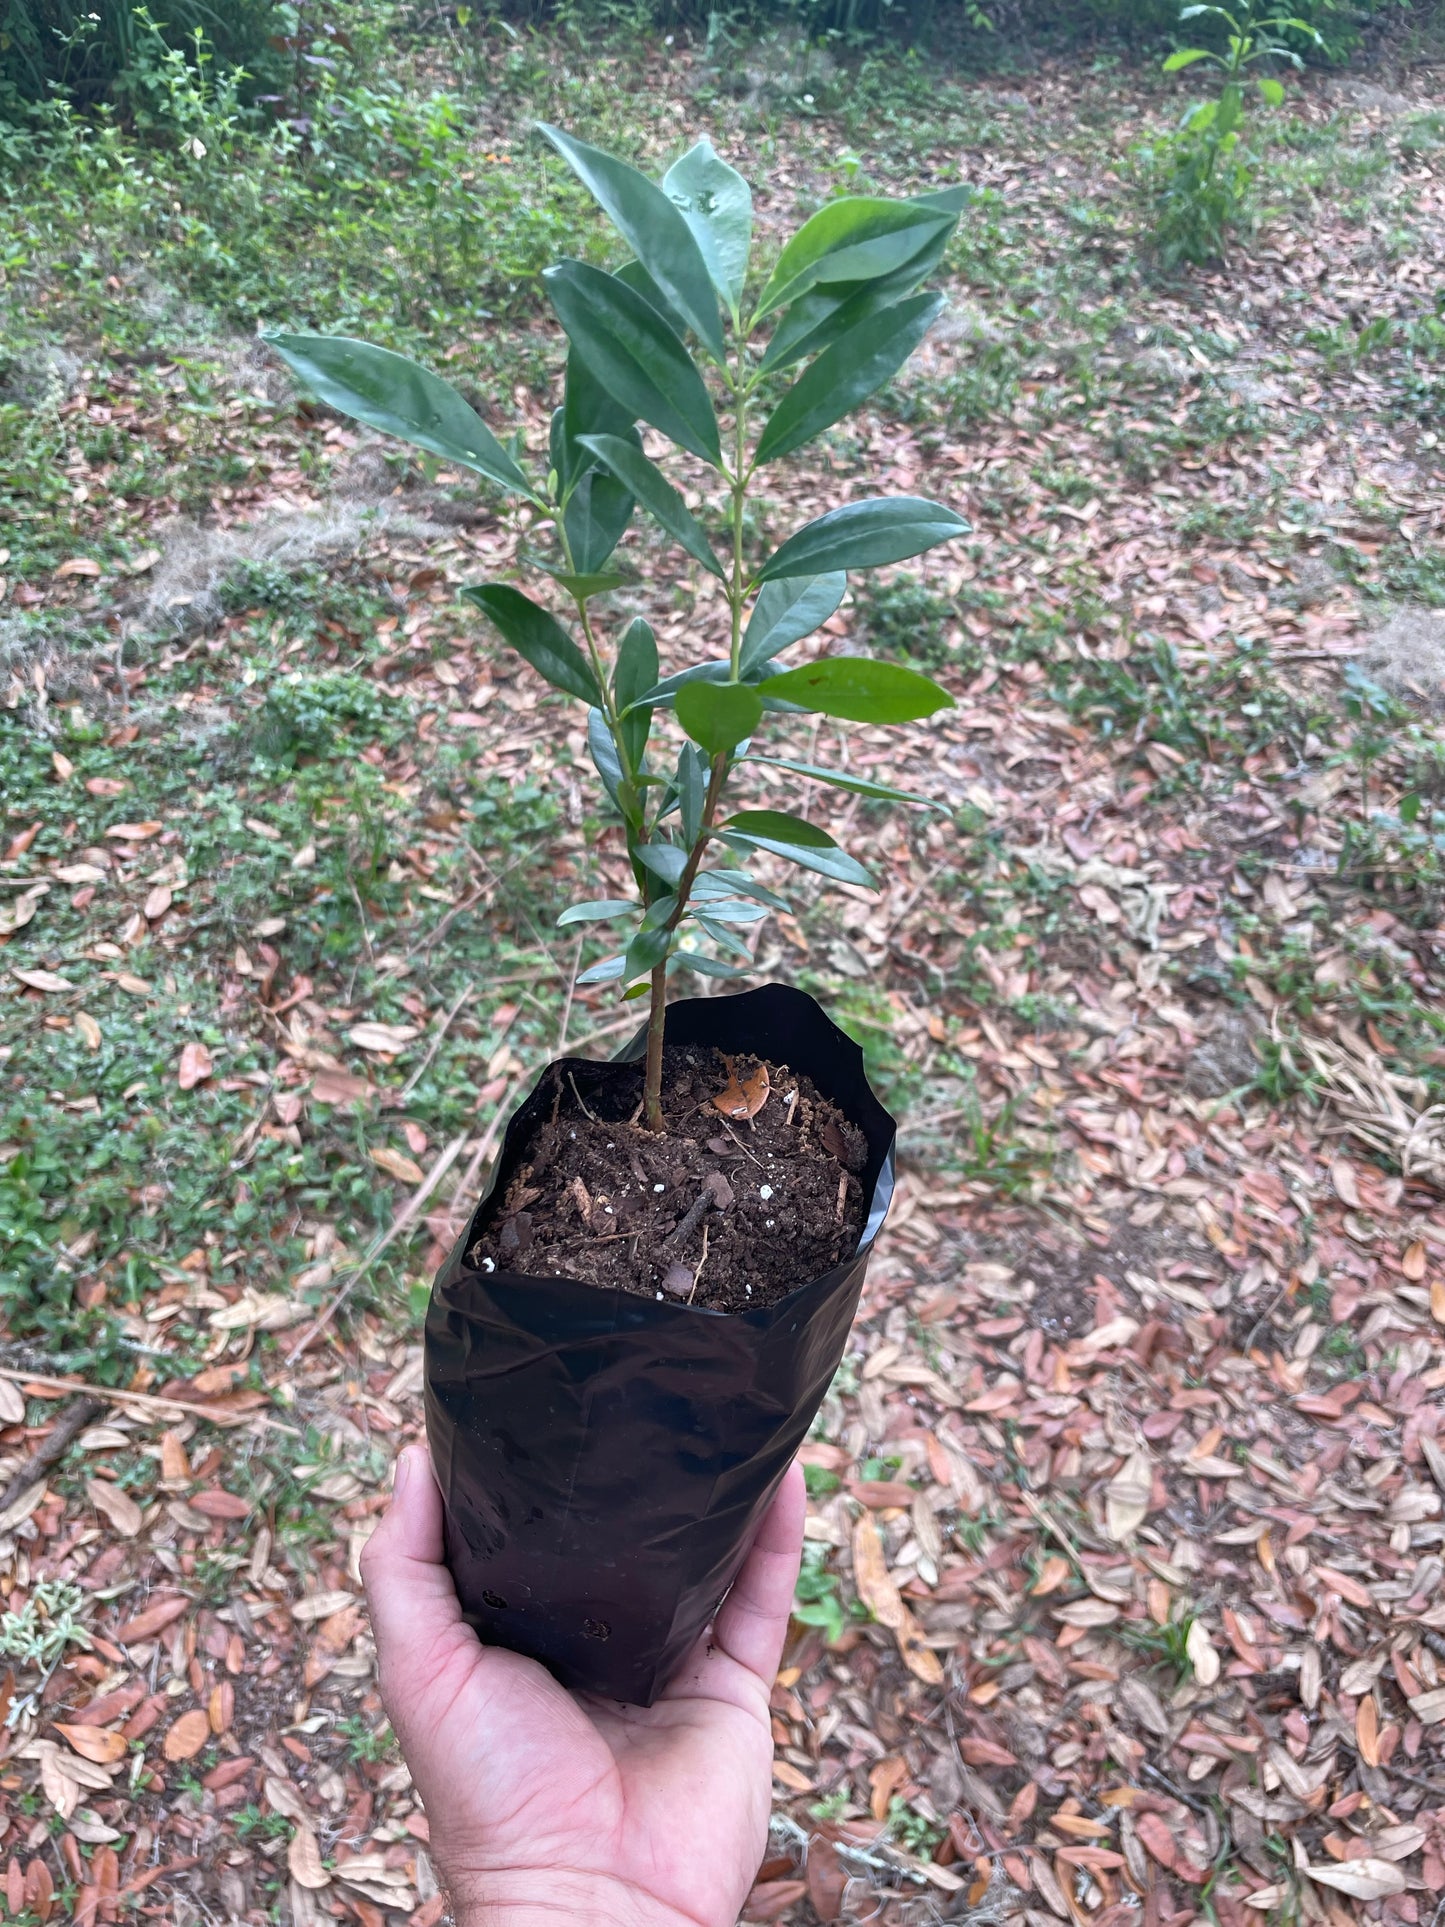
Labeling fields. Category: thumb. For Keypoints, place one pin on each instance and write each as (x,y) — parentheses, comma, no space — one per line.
(409,1590)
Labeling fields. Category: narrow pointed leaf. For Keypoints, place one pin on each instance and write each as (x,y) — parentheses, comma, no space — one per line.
(859,690)
(859,785)
(691,786)
(633,275)
(646,951)
(825,860)
(858,363)
(720,934)
(606,972)
(587,409)
(596,519)
(635,671)
(633,353)
(729,909)
(727,883)
(785,612)
(781,824)
(606,761)
(599,910)
(830,310)
(665,860)
(654,228)
(718,716)
(865,535)
(657,495)
(717,204)
(539,637)
(704,966)
(400,397)
(857,238)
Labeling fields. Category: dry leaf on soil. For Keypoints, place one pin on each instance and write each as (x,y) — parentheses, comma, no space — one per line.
(1202,1655)
(397,1164)
(383,1037)
(743,1097)
(195,1066)
(882,1598)
(118,1506)
(94,1743)
(187,1736)
(1362,1879)
(1126,1497)
(303,1857)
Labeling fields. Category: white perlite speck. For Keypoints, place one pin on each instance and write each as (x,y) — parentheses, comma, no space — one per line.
(765,1191)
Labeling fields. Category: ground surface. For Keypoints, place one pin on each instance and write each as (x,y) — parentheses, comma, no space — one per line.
(1138,1444)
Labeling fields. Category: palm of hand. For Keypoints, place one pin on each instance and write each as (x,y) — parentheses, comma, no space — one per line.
(539,1800)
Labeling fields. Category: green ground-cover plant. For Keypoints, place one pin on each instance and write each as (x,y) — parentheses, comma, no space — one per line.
(670,341)
(1201,174)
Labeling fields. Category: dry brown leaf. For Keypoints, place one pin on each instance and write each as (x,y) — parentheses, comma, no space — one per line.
(1126,1497)
(153,1620)
(12,1405)
(1413,1261)
(89,1030)
(745,1097)
(383,1038)
(117,1505)
(187,1736)
(1202,1655)
(195,1066)
(397,1164)
(303,1857)
(94,1743)
(1361,1879)
(881,1596)
(1342,1177)
(1367,1730)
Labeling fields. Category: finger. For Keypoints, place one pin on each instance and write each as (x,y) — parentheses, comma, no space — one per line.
(753,1620)
(408,1587)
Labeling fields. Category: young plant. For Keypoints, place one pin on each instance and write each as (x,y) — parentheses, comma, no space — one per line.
(671,341)
(1201,175)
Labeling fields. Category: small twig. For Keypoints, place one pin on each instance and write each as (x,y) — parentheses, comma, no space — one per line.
(82,1410)
(153,1402)
(581,1099)
(567,1005)
(694,1216)
(436,1043)
(739,1143)
(400,1223)
(700,1263)
(1179,1794)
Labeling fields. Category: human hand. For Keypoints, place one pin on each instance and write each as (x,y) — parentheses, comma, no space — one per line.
(549,1807)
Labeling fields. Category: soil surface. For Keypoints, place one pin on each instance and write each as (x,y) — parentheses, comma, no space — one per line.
(725,1210)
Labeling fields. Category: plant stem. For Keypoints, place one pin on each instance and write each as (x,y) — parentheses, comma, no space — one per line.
(652,1078)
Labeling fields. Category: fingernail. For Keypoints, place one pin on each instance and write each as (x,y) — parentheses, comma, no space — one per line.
(402,1474)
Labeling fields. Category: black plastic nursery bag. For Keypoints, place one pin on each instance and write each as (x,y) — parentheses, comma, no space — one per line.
(605,1458)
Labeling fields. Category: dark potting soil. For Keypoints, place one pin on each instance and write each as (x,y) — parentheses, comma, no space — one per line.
(722,1210)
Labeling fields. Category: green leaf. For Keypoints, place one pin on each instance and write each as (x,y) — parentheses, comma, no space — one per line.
(859,785)
(581,587)
(865,535)
(657,495)
(718,716)
(606,972)
(781,824)
(857,238)
(598,910)
(1410,805)
(657,914)
(665,860)
(653,227)
(608,764)
(717,204)
(729,909)
(400,397)
(1185,57)
(691,786)
(740,883)
(800,842)
(539,637)
(844,375)
(596,519)
(633,275)
(718,931)
(633,353)
(646,951)
(785,612)
(634,672)
(1272,90)
(859,690)
(587,409)
(704,966)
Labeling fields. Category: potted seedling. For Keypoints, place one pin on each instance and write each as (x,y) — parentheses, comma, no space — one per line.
(637,1327)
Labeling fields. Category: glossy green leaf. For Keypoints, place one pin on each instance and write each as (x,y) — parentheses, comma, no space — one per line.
(704,966)
(741,883)
(646,951)
(857,238)
(691,787)
(400,397)
(587,409)
(634,672)
(800,842)
(859,785)
(859,690)
(608,765)
(632,352)
(718,716)
(657,495)
(665,860)
(785,612)
(865,535)
(598,910)
(581,587)
(858,363)
(717,929)
(1185,57)
(633,275)
(538,636)
(596,519)
(606,972)
(654,227)
(717,204)
(658,912)
(730,909)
